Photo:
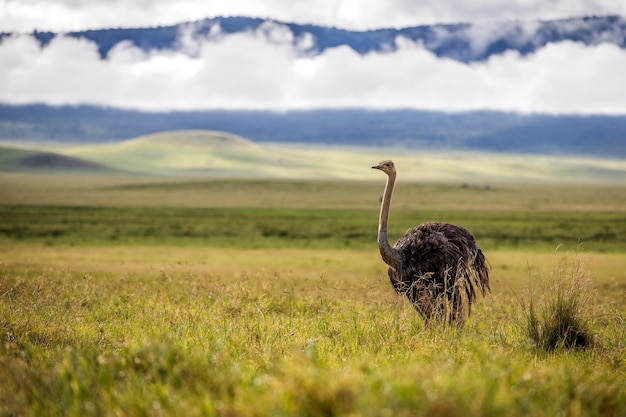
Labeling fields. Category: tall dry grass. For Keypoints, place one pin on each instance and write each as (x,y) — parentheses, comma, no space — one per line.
(559,308)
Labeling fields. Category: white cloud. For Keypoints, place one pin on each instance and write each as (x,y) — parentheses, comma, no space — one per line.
(68,15)
(262,70)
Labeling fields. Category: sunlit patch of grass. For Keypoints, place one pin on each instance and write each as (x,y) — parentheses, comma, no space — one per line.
(176,329)
(187,331)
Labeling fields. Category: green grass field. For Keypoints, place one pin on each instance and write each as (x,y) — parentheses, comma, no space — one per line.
(134,295)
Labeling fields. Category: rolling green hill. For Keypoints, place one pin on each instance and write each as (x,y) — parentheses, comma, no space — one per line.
(205,153)
(213,154)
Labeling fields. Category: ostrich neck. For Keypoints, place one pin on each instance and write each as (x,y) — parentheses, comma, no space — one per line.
(390,255)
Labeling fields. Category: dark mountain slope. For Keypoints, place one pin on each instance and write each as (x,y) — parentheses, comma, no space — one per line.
(483,131)
(464,42)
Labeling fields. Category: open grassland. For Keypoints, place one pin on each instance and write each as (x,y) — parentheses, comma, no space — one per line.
(94,190)
(170,331)
(125,295)
(303,228)
(126,210)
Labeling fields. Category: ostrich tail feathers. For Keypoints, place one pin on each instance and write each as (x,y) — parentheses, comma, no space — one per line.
(476,275)
(480,269)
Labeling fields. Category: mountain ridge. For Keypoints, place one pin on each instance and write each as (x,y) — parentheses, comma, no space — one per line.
(598,136)
(464,42)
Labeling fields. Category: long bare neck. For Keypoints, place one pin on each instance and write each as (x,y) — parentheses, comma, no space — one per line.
(390,255)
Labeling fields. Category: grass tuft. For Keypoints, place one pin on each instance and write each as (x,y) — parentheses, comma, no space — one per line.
(561,315)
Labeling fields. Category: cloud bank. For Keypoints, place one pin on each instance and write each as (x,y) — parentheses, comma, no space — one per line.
(263,70)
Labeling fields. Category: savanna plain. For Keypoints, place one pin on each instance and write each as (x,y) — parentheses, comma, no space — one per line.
(137,295)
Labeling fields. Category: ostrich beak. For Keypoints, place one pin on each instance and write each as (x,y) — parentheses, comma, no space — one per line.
(376,167)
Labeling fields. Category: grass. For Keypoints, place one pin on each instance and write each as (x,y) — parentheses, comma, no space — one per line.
(297,228)
(360,195)
(149,296)
(108,331)
(122,210)
(143,191)
(561,315)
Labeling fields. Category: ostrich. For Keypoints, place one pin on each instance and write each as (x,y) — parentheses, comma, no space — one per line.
(436,265)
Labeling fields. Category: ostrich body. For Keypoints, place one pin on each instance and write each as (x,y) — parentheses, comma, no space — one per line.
(436,265)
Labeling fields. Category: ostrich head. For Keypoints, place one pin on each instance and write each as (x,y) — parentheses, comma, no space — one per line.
(387,167)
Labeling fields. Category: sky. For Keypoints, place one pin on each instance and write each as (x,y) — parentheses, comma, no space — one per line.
(262,69)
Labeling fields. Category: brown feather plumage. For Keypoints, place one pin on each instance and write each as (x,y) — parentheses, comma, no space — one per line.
(442,270)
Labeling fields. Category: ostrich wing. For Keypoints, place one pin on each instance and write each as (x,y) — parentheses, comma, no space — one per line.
(443,258)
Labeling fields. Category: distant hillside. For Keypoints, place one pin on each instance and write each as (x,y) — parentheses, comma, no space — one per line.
(192,138)
(184,152)
(603,136)
(211,154)
(462,42)
(18,160)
